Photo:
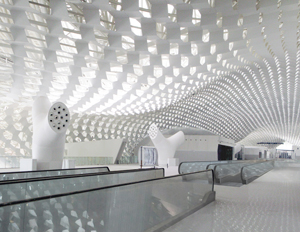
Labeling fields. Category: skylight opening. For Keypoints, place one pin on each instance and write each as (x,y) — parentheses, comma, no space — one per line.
(161,30)
(145,8)
(174,49)
(172,13)
(42,7)
(219,20)
(144,59)
(212,49)
(184,34)
(184,61)
(132,78)
(194,49)
(116,4)
(260,18)
(234,4)
(225,34)
(128,43)
(75,12)
(157,72)
(212,3)
(136,26)
(165,60)
(245,32)
(205,36)
(240,21)
(107,20)
(152,46)
(196,17)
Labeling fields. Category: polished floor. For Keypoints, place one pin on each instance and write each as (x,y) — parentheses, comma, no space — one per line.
(270,203)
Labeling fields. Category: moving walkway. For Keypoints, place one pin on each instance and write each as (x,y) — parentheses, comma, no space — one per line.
(140,205)
(230,171)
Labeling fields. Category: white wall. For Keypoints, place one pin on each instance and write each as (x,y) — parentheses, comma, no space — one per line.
(198,148)
(296,154)
(251,152)
(200,143)
(99,148)
(201,147)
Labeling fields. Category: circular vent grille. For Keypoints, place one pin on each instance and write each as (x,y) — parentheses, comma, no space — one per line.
(59,117)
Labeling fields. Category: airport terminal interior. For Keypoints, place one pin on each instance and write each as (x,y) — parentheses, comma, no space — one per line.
(149,115)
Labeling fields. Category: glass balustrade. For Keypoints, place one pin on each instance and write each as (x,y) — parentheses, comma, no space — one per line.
(228,170)
(195,166)
(17,190)
(231,172)
(253,171)
(150,205)
(46,173)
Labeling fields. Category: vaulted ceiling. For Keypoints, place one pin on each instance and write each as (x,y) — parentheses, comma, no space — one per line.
(227,66)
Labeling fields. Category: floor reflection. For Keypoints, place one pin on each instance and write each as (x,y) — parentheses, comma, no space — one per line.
(270,203)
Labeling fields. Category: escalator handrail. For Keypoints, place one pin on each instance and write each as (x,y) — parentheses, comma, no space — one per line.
(101,188)
(266,161)
(46,178)
(50,170)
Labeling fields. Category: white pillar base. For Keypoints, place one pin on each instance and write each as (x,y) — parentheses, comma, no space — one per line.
(28,164)
(49,165)
(173,162)
(67,164)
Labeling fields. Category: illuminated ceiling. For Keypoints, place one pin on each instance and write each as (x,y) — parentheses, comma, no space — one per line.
(231,66)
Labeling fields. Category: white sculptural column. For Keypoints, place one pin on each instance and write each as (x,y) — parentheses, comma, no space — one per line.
(50,124)
(166,147)
(237,148)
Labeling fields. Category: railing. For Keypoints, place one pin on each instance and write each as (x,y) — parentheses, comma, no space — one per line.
(4,176)
(151,205)
(16,190)
(128,160)
(14,161)
(82,161)
(227,172)
(253,171)
(195,166)
(10,161)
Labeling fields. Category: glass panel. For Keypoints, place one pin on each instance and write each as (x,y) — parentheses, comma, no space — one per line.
(82,161)
(149,205)
(224,170)
(28,189)
(196,166)
(37,174)
(230,172)
(12,217)
(251,172)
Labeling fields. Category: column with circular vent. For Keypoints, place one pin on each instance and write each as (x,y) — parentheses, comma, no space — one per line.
(50,124)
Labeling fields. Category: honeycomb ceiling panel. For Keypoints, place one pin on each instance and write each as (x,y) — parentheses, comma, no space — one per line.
(234,63)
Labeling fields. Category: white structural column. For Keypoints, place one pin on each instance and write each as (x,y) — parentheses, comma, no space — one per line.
(166,147)
(237,148)
(49,131)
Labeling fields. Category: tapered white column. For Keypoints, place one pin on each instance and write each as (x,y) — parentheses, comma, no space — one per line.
(166,147)
(50,124)
(237,148)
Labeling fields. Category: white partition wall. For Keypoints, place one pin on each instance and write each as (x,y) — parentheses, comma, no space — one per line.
(49,131)
(253,152)
(198,148)
(100,148)
(166,147)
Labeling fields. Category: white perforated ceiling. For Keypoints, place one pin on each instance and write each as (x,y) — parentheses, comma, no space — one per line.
(228,66)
